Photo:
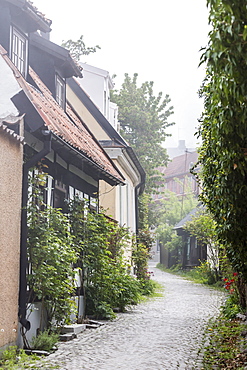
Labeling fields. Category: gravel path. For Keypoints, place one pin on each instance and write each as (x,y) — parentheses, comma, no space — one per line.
(161,334)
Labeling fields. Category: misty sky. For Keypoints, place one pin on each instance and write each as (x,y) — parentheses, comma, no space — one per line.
(159,39)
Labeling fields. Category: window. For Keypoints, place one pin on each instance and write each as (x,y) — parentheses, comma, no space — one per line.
(60,194)
(60,91)
(19,51)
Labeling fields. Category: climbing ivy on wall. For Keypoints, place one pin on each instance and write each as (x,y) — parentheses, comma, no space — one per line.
(51,255)
(223,127)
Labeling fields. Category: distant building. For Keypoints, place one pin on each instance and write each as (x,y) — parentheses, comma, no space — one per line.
(97,83)
(179,150)
(193,250)
(179,180)
(177,175)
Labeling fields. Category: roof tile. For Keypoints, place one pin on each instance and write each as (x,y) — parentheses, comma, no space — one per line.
(67,126)
(179,165)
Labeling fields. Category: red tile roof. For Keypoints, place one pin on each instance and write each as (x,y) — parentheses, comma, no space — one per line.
(60,124)
(41,22)
(39,14)
(179,165)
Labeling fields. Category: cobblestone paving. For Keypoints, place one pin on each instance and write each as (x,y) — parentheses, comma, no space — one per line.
(161,334)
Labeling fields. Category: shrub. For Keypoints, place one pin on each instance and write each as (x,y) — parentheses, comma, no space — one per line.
(45,341)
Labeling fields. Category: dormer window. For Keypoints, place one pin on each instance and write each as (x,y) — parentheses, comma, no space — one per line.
(19,51)
(60,91)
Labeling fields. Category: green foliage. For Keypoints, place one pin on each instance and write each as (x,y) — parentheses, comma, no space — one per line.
(146,238)
(202,274)
(78,48)
(82,241)
(223,128)
(143,209)
(203,227)
(231,307)
(105,278)
(51,255)
(45,341)
(172,210)
(147,287)
(144,118)
(16,359)
(223,346)
(140,257)
(154,289)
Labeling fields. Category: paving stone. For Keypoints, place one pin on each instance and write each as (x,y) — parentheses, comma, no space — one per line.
(66,337)
(74,328)
(161,334)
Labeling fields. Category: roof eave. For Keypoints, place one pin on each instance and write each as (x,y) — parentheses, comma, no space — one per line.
(58,52)
(42,24)
(102,174)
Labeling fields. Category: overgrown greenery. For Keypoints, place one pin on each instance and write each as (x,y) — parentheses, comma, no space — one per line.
(202,274)
(51,256)
(170,211)
(223,128)
(45,341)
(16,359)
(85,245)
(106,282)
(144,118)
(224,345)
(203,227)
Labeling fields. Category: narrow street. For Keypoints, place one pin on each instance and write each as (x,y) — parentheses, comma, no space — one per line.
(161,334)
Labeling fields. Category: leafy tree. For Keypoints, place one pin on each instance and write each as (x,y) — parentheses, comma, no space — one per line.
(172,210)
(203,227)
(79,48)
(223,128)
(143,120)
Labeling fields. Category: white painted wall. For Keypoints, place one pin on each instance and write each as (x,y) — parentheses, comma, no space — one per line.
(97,83)
(9,87)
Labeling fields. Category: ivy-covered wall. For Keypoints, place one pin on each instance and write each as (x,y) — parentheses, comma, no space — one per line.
(224,127)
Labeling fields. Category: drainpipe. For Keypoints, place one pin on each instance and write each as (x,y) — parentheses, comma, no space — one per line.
(136,206)
(23,250)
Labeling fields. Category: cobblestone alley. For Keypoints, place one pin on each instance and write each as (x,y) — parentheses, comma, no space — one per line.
(161,334)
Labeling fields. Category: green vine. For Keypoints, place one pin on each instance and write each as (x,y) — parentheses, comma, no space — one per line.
(223,127)
(51,255)
(81,245)
(106,281)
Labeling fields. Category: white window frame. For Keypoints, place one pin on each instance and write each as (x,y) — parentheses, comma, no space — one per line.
(19,50)
(60,91)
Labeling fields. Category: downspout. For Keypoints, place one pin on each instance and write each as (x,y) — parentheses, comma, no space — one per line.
(23,249)
(136,205)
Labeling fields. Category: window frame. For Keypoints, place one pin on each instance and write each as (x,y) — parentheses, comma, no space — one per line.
(19,50)
(60,92)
